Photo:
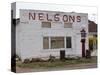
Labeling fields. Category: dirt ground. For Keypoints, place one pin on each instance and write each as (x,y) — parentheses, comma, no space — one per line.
(66,67)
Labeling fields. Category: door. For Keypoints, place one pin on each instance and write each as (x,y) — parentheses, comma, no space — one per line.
(62,54)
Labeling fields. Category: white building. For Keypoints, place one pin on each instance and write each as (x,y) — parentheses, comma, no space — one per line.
(41,33)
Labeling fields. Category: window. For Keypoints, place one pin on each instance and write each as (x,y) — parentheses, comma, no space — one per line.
(68,42)
(67,25)
(46,24)
(57,42)
(45,43)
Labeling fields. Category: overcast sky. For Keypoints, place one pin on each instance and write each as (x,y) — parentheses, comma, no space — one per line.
(92,11)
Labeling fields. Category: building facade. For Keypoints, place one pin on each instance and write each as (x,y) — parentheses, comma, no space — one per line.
(41,34)
(93,38)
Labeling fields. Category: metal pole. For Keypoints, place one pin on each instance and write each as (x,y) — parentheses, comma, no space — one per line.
(83,47)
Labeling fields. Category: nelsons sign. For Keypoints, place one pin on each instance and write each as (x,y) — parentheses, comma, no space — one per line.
(50,16)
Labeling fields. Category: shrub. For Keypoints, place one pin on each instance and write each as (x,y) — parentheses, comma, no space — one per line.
(18,58)
(51,58)
(36,60)
(26,61)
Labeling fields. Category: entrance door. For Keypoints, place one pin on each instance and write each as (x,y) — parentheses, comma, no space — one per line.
(62,54)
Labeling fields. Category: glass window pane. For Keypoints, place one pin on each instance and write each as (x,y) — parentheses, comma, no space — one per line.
(57,42)
(67,25)
(45,43)
(68,42)
(46,24)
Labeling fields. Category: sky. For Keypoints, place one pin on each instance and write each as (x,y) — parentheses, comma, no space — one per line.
(91,10)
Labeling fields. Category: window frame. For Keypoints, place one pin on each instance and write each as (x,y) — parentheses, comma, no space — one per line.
(65,42)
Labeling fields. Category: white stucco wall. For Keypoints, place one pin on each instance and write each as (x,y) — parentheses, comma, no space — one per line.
(29,36)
